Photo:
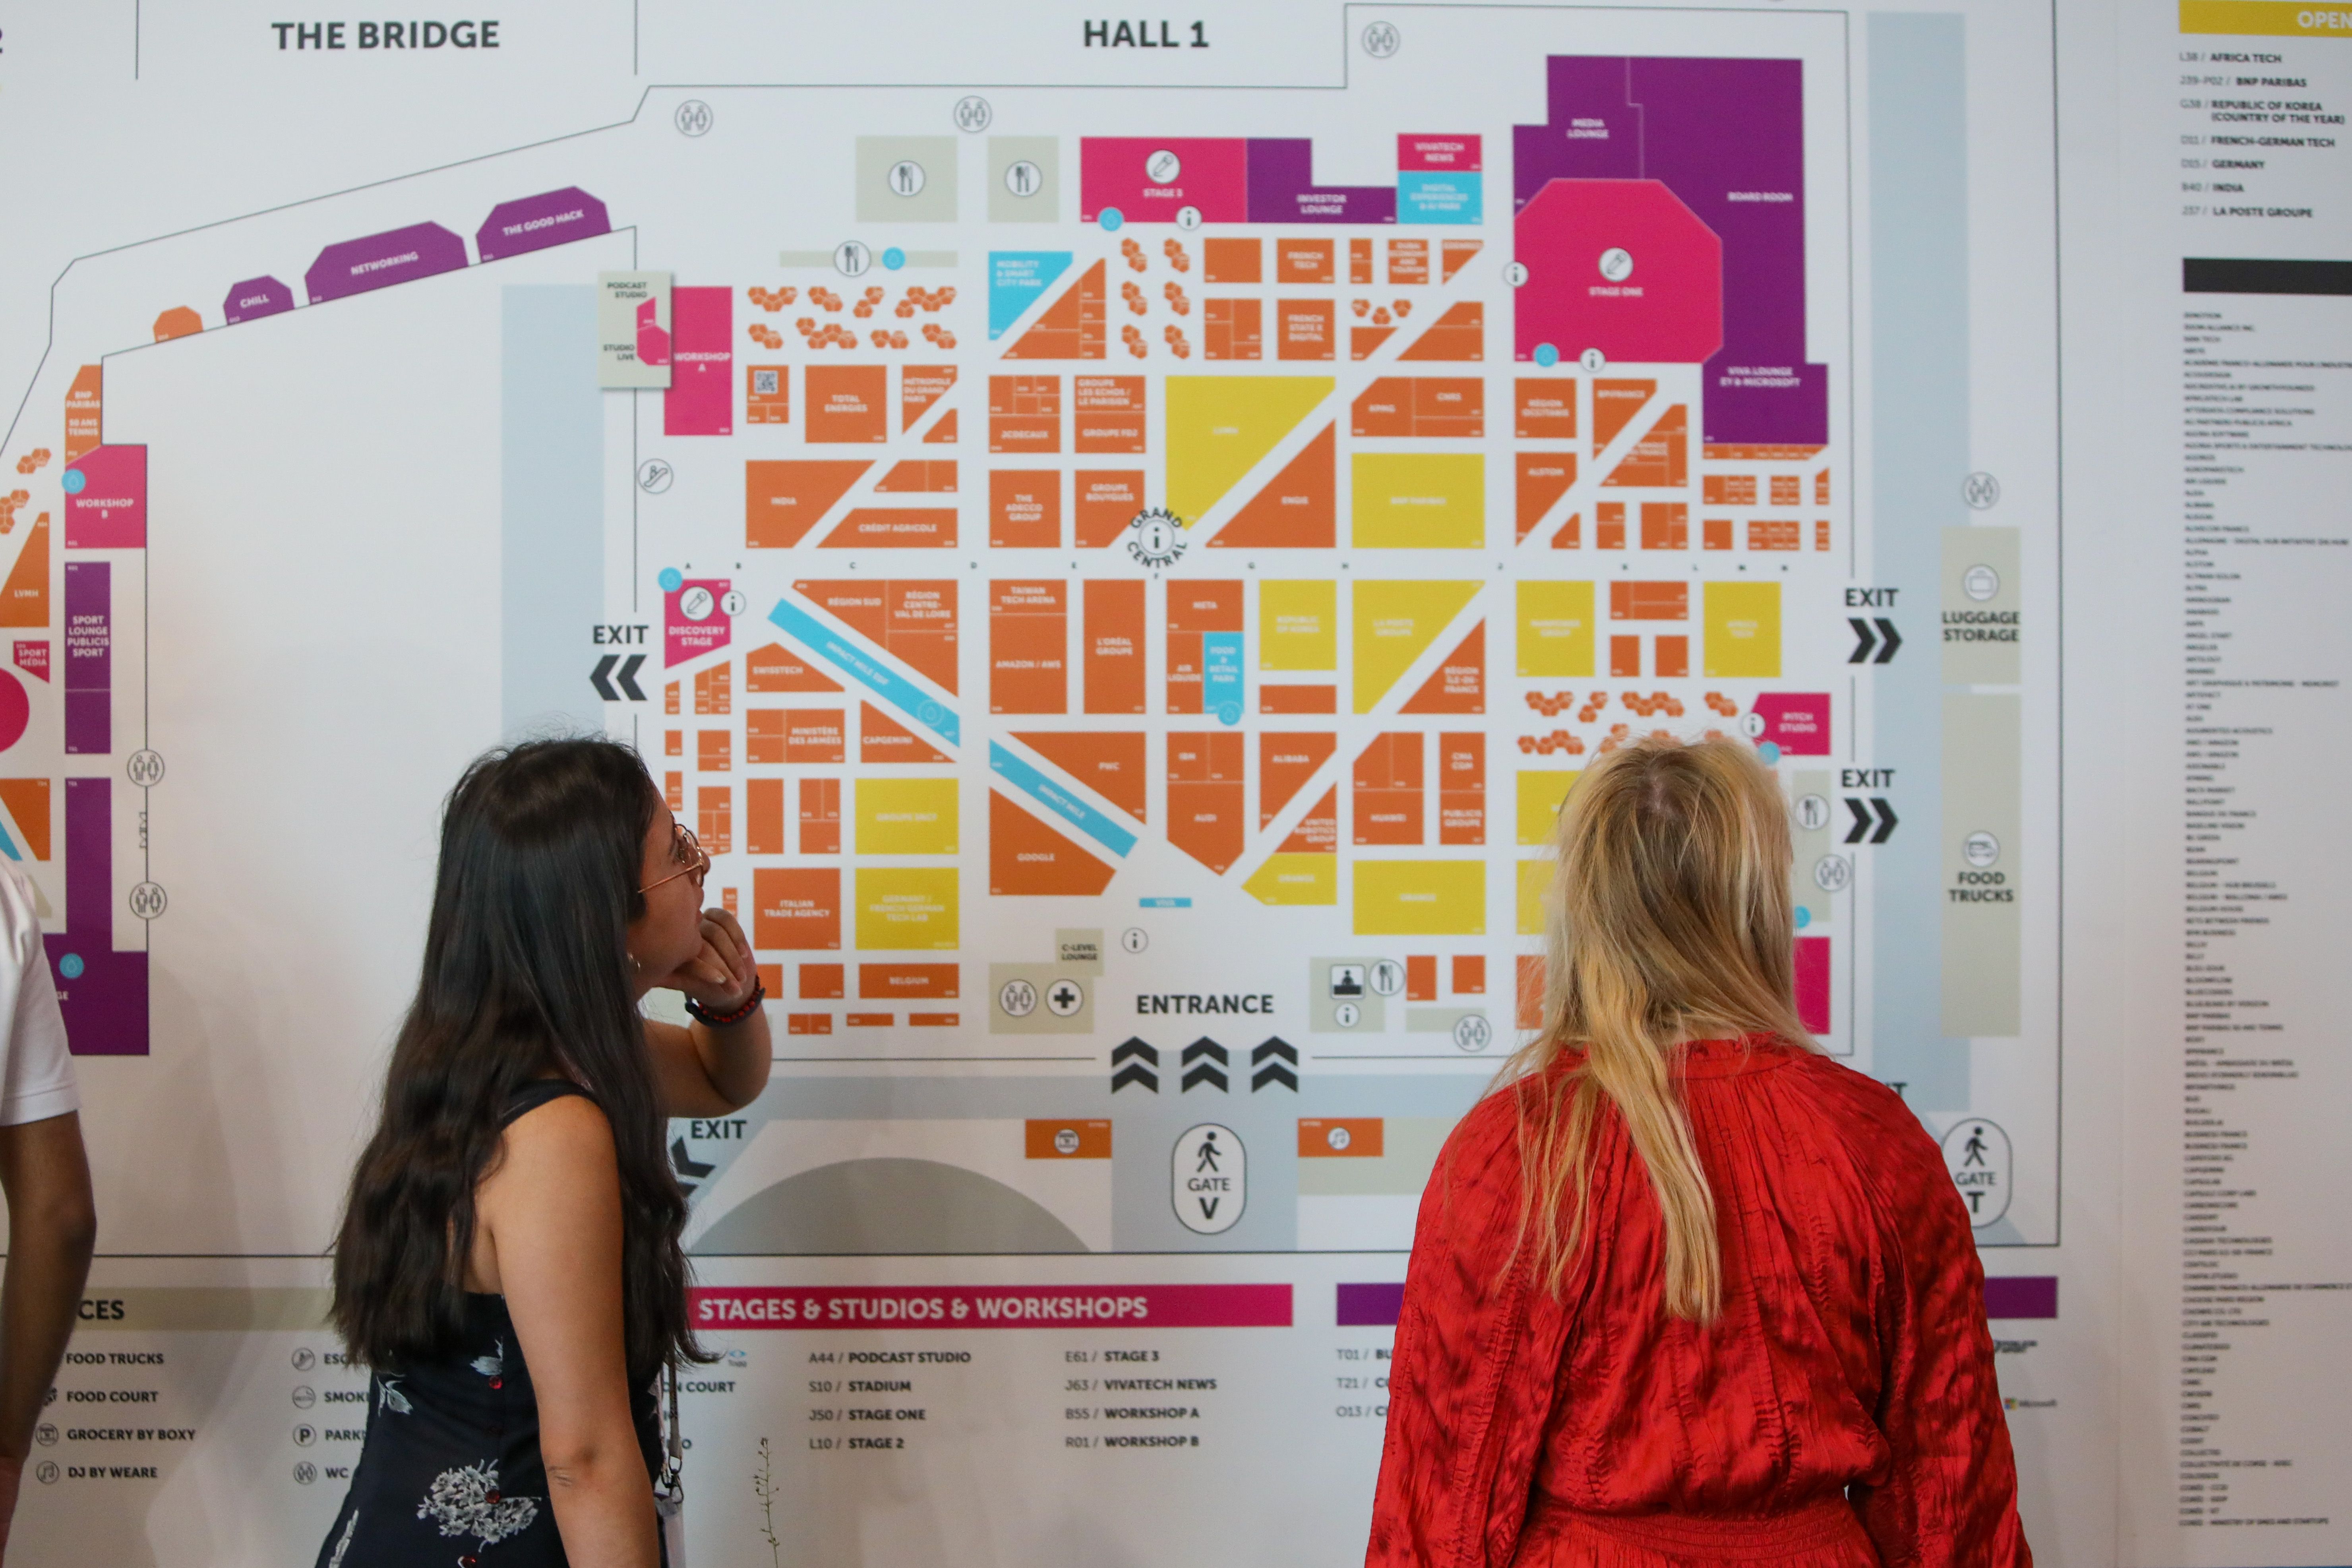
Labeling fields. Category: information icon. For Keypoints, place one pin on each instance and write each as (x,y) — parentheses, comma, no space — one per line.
(1188,217)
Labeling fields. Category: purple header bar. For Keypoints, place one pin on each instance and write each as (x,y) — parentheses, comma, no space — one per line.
(2022,1296)
(1370,1306)
(1282,188)
(256,298)
(534,223)
(380,260)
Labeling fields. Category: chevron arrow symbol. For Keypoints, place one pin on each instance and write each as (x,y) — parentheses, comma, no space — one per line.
(1206,1046)
(1136,1055)
(604,675)
(1274,1072)
(688,1167)
(1863,820)
(1868,828)
(1864,640)
(1202,1074)
(1135,1072)
(1885,820)
(1890,641)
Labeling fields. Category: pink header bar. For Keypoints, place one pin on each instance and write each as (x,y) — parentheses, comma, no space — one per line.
(992,1307)
(1451,154)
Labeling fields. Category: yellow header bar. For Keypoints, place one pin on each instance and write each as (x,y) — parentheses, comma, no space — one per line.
(2267,18)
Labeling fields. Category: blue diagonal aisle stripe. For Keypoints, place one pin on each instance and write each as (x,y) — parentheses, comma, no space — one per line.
(844,655)
(1058,801)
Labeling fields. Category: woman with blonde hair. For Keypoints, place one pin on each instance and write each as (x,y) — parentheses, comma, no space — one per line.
(1684,1290)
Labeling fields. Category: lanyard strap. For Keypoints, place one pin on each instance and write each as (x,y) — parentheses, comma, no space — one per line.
(672,1486)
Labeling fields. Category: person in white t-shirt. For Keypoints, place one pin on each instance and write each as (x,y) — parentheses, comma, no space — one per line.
(52,1222)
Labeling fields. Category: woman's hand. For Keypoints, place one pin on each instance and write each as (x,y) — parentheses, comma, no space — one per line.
(720,976)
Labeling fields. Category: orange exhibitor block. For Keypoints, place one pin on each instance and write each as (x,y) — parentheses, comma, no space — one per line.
(767,394)
(1461,789)
(783,500)
(1459,334)
(1066,1139)
(1672,657)
(1028,639)
(1787,489)
(1109,415)
(796,909)
(763,817)
(1608,525)
(1458,685)
(814,736)
(713,751)
(1387,801)
(1715,533)
(1624,659)
(1106,502)
(776,667)
(1614,404)
(1305,328)
(1025,414)
(1648,601)
(936,477)
(1298,698)
(1028,859)
(1421,977)
(1302,261)
(1453,254)
(1205,796)
(1072,326)
(808,1023)
(824,982)
(715,818)
(1660,458)
(673,791)
(1109,762)
(179,321)
(1233,261)
(1111,636)
(908,983)
(820,817)
(1284,765)
(27,801)
(1408,261)
(82,404)
(919,386)
(1665,525)
(882,739)
(24,598)
(1359,261)
(1232,329)
(894,528)
(1728,489)
(848,404)
(1024,508)
(1195,608)
(1317,832)
(1544,478)
(714,691)
(1298,508)
(1469,974)
(1546,410)
(914,621)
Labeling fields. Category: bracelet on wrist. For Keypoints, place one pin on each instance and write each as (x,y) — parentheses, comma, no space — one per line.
(750,1004)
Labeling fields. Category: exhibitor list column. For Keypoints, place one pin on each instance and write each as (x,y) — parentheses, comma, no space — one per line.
(2265,1295)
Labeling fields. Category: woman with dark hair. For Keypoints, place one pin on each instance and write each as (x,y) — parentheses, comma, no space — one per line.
(508,1267)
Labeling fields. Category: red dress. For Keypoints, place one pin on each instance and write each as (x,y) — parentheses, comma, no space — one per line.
(1841,1413)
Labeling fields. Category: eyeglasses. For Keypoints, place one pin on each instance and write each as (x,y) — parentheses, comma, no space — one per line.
(686,853)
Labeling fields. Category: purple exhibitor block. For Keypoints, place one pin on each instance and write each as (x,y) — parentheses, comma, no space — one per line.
(534,223)
(1370,1306)
(1727,136)
(380,260)
(2022,1296)
(1282,188)
(256,298)
(101,992)
(88,683)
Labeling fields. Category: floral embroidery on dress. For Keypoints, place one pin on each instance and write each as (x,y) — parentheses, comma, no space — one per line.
(392,1399)
(465,1501)
(493,1365)
(344,1544)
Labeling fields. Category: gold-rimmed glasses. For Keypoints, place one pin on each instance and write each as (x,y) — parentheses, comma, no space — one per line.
(686,853)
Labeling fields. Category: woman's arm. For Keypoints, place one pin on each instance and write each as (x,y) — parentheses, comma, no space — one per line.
(52,1226)
(549,1216)
(709,1071)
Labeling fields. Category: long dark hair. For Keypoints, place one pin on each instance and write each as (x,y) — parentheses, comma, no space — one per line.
(525,976)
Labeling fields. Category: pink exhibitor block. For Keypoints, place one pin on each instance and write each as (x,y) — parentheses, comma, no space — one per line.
(106,500)
(1621,265)
(1209,172)
(702,397)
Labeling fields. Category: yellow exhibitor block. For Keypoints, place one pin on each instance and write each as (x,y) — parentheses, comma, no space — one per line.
(1420,501)
(906,907)
(1542,792)
(906,817)
(1421,897)
(1220,426)
(1535,882)
(1395,623)
(1556,630)
(1299,625)
(1743,631)
(1295,879)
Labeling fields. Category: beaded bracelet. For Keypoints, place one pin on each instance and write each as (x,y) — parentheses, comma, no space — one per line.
(720,1020)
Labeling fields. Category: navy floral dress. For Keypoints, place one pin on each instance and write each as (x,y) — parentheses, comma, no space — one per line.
(450,1472)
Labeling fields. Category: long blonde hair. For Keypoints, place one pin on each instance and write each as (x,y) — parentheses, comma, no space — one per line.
(1668,920)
